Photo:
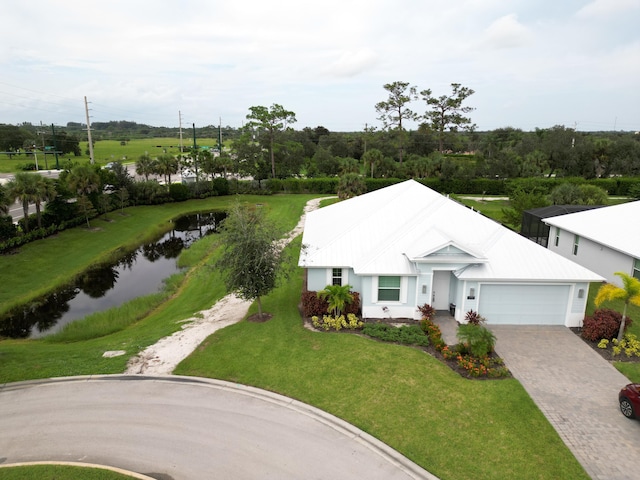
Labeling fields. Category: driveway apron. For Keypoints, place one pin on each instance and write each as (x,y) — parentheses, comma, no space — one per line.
(577,390)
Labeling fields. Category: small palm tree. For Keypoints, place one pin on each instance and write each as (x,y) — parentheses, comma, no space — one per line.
(337,296)
(23,188)
(45,191)
(628,293)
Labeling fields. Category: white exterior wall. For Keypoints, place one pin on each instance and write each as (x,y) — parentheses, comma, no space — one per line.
(594,256)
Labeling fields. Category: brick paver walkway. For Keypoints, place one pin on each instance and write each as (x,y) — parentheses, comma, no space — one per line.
(577,390)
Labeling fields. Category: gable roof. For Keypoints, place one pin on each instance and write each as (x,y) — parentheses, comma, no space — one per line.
(616,226)
(383,232)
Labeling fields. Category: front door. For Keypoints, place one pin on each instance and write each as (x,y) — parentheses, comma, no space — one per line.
(440,291)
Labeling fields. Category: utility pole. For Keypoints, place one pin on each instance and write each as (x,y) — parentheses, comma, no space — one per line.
(44,151)
(180,125)
(86,110)
(195,155)
(220,134)
(55,146)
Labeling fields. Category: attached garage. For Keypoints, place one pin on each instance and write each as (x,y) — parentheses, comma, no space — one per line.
(512,304)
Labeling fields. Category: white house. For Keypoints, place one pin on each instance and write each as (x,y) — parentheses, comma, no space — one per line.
(406,245)
(605,240)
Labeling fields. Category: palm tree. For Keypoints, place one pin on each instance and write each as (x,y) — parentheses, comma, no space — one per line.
(23,188)
(4,200)
(83,180)
(45,191)
(166,165)
(629,293)
(145,166)
(337,296)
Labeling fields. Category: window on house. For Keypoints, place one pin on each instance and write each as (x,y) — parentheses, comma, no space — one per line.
(389,289)
(636,268)
(336,276)
(576,241)
(557,242)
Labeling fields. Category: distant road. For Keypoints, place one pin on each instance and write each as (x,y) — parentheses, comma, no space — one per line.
(16,209)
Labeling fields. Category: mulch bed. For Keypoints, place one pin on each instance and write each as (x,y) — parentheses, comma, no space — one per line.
(256,318)
(606,353)
(430,349)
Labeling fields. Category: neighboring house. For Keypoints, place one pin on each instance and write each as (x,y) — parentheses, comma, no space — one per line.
(533,226)
(406,245)
(605,240)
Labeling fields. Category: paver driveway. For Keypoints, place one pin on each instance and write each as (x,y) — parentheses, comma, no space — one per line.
(577,390)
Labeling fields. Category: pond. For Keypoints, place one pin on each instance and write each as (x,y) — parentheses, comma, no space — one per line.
(100,288)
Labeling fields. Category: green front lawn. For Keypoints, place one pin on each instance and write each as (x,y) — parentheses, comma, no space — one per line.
(59,472)
(454,427)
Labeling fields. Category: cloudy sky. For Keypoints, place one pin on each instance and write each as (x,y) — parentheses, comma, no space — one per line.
(531,63)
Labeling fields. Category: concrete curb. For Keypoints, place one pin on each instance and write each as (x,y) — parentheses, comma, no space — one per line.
(383,450)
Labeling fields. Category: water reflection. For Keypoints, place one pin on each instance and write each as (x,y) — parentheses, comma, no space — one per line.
(135,274)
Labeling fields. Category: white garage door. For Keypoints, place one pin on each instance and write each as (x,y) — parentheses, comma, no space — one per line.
(524,304)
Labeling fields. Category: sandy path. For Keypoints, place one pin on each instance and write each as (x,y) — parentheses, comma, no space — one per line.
(162,357)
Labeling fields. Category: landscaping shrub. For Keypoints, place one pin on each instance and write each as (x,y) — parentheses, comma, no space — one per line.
(474,318)
(476,339)
(314,306)
(406,334)
(179,192)
(427,311)
(603,324)
(433,332)
(220,186)
(337,323)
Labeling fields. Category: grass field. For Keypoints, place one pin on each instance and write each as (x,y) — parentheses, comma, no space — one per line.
(59,472)
(106,151)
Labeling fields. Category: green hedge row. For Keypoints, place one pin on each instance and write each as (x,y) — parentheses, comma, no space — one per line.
(472,186)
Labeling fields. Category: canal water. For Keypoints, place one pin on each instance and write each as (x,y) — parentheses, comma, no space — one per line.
(135,274)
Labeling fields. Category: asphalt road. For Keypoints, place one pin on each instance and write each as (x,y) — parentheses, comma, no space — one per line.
(187,428)
(15,210)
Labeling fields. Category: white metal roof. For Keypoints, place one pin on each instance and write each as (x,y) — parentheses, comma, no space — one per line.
(617,226)
(380,232)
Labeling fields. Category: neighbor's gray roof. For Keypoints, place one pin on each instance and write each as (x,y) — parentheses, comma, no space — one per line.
(378,232)
(617,226)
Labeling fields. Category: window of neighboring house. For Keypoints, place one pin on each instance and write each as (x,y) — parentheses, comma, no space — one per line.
(557,242)
(636,268)
(336,276)
(389,289)
(576,241)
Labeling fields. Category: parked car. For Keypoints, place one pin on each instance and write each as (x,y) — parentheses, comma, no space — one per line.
(629,398)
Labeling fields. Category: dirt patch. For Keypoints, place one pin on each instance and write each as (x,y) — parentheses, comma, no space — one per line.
(257,318)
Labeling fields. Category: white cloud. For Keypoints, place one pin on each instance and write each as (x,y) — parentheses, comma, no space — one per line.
(144,61)
(599,8)
(506,32)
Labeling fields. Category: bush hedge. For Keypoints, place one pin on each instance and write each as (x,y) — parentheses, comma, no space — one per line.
(603,324)
(312,305)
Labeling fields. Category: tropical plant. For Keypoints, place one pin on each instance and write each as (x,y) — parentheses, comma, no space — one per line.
(83,180)
(351,185)
(476,339)
(145,166)
(44,191)
(167,165)
(337,297)
(628,293)
(23,189)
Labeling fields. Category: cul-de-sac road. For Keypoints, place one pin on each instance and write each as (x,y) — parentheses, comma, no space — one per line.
(187,428)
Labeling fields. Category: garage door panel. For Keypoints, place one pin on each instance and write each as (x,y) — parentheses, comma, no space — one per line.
(524,304)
